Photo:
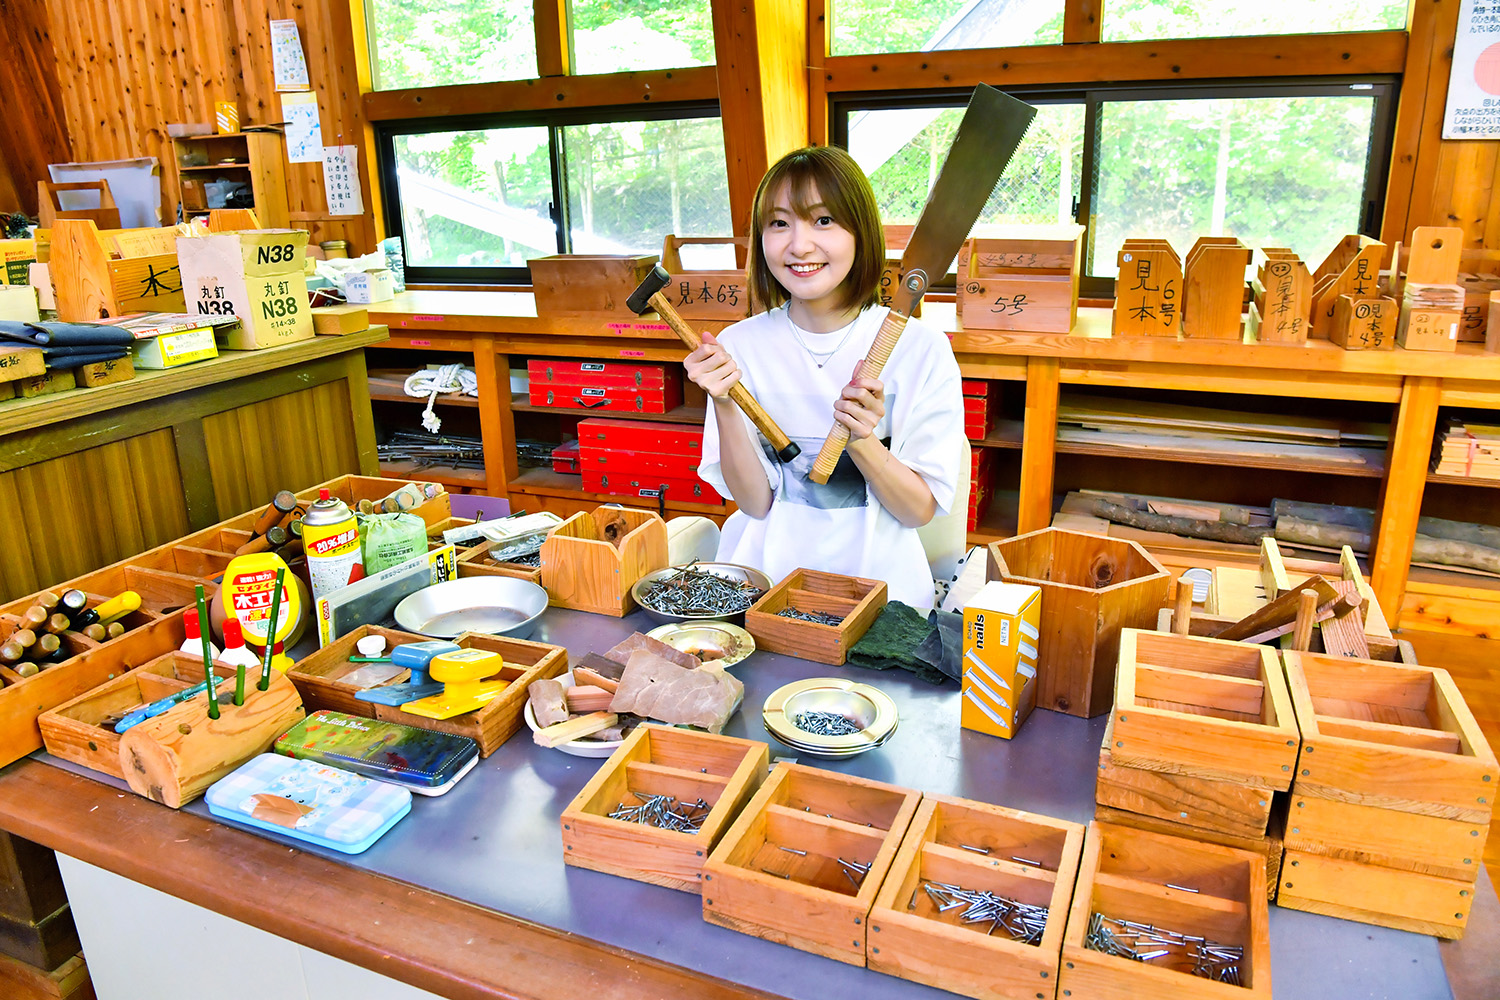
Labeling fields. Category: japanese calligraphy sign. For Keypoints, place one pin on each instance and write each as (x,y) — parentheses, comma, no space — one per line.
(705,294)
(1365,324)
(1148,290)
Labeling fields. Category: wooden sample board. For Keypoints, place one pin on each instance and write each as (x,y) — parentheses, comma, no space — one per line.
(1148,291)
(1215,288)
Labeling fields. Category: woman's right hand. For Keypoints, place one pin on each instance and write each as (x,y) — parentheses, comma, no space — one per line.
(711,368)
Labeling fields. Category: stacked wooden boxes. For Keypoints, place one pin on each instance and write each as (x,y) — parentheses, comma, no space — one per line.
(1432,301)
(1392,798)
(634,458)
(1202,737)
(1021,278)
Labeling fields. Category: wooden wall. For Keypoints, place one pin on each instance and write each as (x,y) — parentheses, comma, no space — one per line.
(126,69)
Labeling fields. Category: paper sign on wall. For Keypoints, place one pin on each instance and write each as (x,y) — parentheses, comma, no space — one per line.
(288,64)
(341,180)
(304,130)
(1474,82)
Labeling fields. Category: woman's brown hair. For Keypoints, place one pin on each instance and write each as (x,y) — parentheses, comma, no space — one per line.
(829,175)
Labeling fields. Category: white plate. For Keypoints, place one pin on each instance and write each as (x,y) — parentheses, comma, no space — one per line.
(578,748)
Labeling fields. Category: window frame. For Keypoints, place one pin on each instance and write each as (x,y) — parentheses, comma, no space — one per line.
(1385,93)
(554,121)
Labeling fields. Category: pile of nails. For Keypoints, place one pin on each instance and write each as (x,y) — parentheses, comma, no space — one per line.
(816,617)
(1025,922)
(1142,942)
(531,560)
(663,811)
(691,591)
(826,724)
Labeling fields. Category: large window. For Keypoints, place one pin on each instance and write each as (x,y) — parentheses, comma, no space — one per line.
(1140,20)
(478,199)
(613,37)
(861,26)
(1290,165)
(433,43)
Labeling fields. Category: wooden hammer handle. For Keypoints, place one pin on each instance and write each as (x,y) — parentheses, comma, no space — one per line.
(871,367)
(785,449)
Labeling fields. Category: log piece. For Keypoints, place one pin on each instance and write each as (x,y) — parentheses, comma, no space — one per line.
(1218,531)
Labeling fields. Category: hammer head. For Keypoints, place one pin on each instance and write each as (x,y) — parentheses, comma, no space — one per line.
(640,299)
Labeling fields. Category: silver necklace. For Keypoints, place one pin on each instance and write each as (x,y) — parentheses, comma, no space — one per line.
(827,356)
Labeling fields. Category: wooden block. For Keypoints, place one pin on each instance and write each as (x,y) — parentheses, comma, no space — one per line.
(1214,282)
(1435,254)
(581,284)
(1092,587)
(1129,874)
(706,294)
(1269,844)
(1273,576)
(1220,710)
(1370,894)
(581,570)
(1428,329)
(1343,634)
(45,385)
(1387,837)
(106,372)
(858,600)
(1285,308)
(659,760)
(337,321)
(19,981)
(806,899)
(911,938)
(1389,735)
(575,728)
(1148,291)
(1210,804)
(1364,324)
(18,363)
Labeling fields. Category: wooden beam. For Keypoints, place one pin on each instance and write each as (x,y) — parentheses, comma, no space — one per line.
(1081,21)
(763,94)
(554,53)
(1038,445)
(36,129)
(819,43)
(695,83)
(349,33)
(1351,53)
(1401,491)
(1417,145)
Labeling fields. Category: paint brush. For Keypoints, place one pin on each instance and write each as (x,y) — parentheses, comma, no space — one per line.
(208,658)
(265,666)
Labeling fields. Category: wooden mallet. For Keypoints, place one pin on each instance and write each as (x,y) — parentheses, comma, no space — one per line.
(649,296)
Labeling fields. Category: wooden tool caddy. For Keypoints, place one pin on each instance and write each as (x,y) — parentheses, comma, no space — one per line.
(585,284)
(1130,874)
(659,760)
(857,599)
(811,902)
(722,295)
(1352,268)
(582,570)
(475,561)
(1148,290)
(1214,284)
(1024,278)
(1392,798)
(911,938)
(114,272)
(1092,587)
(317,677)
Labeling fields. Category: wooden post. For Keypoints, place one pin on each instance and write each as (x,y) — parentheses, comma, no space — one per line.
(1401,492)
(1307,616)
(1038,444)
(1182,611)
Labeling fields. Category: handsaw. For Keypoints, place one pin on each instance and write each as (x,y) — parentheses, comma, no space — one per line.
(988,135)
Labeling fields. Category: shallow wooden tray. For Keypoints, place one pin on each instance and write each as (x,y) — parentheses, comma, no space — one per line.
(857,599)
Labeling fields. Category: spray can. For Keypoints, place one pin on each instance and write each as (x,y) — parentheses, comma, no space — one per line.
(330,539)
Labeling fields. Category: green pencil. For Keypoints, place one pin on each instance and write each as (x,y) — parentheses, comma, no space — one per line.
(208,657)
(265,666)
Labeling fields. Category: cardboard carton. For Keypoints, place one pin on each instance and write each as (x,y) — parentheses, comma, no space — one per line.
(255,275)
(1001,629)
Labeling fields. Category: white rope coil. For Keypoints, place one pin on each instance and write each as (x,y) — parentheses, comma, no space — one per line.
(432,382)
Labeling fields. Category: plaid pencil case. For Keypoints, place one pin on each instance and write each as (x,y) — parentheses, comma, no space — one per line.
(309,801)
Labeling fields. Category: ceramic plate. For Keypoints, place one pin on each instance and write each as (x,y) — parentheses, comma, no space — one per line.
(734,641)
(578,748)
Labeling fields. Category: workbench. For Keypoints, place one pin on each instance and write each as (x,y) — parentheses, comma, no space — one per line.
(500,328)
(90,476)
(469,897)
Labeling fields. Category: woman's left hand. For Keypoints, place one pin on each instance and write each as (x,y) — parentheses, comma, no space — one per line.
(860,406)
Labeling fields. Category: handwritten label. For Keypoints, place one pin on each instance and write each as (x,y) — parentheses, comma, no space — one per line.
(341,180)
(639,326)
(420,343)
(632,354)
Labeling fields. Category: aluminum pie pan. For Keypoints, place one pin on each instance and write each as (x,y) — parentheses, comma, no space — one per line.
(691,637)
(732,572)
(865,705)
(493,605)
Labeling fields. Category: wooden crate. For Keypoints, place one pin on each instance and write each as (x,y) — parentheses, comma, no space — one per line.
(1129,874)
(90,285)
(1375,894)
(584,571)
(1391,838)
(1271,844)
(1214,288)
(912,939)
(353,489)
(1208,708)
(1092,587)
(1024,278)
(1207,804)
(659,760)
(857,599)
(317,677)
(73,732)
(587,284)
(706,295)
(475,562)
(811,902)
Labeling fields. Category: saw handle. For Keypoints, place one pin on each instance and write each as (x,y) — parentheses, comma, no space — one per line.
(871,367)
(786,449)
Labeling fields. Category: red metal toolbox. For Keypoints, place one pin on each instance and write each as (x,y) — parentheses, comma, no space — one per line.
(645,487)
(565,457)
(976,387)
(641,463)
(600,385)
(977,414)
(640,435)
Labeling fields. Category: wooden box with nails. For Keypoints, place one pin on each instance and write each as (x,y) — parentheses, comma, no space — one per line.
(1092,587)
(854,600)
(591,560)
(802,864)
(1167,918)
(1393,795)
(320,679)
(976,900)
(475,561)
(623,823)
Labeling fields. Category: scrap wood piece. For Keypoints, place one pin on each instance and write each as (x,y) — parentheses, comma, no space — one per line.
(1218,531)
(1282,611)
(1344,633)
(573,729)
(1273,576)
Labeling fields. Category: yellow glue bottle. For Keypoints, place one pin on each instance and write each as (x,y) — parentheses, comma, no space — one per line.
(249,584)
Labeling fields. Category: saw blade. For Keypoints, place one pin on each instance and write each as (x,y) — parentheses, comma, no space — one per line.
(991,130)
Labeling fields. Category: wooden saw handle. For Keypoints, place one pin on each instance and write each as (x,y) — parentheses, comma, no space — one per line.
(786,449)
(871,367)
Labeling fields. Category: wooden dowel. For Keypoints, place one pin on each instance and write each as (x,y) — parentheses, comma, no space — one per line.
(1307,616)
(1182,611)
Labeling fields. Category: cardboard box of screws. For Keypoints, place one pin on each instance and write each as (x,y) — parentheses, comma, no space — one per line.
(661,802)
(977,900)
(802,864)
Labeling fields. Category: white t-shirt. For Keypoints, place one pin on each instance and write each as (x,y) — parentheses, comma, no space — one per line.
(841,527)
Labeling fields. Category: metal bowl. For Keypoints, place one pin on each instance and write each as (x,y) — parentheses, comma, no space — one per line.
(496,605)
(729,571)
(866,706)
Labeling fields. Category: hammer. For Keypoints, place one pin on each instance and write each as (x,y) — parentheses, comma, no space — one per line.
(649,296)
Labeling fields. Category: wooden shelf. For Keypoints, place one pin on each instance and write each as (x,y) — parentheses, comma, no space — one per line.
(520,402)
(1005,434)
(998,519)
(1372,466)
(390,387)
(445,475)
(542,481)
(216,166)
(1433,477)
